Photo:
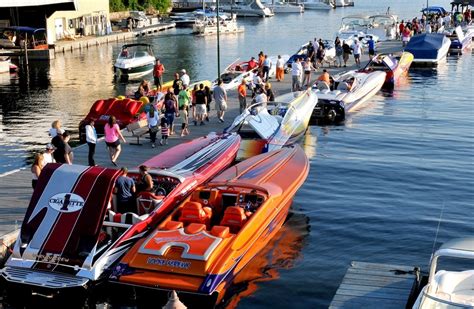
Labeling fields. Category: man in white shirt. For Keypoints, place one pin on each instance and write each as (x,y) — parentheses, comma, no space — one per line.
(261,97)
(185,78)
(296,71)
(267,65)
(48,154)
(357,51)
(91,138)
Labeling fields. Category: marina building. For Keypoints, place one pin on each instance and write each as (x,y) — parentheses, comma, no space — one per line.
(62,19)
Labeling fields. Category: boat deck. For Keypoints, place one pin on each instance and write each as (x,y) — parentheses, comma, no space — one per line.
(371,285)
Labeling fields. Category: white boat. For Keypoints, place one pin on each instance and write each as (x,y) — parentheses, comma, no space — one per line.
(384,26)
(286,7)
(252,9)
(234,74)
(449,288)
(428,48)
(207,24)
(318,5)
(269,126)
(351,90)
(134,61)
(343,3)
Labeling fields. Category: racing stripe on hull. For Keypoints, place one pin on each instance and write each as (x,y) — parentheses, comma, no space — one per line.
(58,182)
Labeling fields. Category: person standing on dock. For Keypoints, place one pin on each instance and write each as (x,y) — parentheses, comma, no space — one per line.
(307,68)
(201,101)
(171,109)
(184,100)
(357,50)
(152,117)
(280,69)
(296,71)
(267,65)
(55,129)
(158,71)
(48,154)
(177,84)
(220,96)
(371,44)
(339,52)
(60,153)
(242,90)
(185,78)
(401,27)
(406,34)
(112,139)
(346,52)
(165,132)
(91,139)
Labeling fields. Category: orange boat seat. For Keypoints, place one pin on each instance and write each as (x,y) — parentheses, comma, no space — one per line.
(173,225)
(193,212)
(195,228)
(234,218)
(220,231)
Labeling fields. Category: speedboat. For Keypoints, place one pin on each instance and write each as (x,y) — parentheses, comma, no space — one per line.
(428,48)
(134,61)
(217,231)
(286,7)
(252,9)
(449,288)
(460,41)
(207,25)
(234,74)
(125,111)
(318,5)
(384,26)
(351,90)
(301,54)
(343,3)
(395,67)
(356,27)
(272,125)
(72,232)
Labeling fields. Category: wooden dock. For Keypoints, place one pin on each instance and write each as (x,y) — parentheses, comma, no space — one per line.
(15,186)
(370,285)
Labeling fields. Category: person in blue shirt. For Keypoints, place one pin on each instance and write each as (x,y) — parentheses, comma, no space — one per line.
(371,44)
(124,190)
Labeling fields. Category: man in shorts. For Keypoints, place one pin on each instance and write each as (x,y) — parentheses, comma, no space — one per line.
(220,96)
(357,51)
(124,190)
(158,71)
(201,101)
(371,44)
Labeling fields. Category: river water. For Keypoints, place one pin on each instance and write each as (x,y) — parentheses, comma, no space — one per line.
(377,184)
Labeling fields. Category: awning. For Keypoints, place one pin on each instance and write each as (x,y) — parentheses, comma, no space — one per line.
(71,4)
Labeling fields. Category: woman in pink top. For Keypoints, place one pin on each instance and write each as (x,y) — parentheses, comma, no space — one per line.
(112,139)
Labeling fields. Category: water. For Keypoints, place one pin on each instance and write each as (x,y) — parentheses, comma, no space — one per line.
(377,184)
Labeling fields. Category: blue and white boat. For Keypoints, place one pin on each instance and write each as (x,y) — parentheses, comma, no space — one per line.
(428,48)
(460,40)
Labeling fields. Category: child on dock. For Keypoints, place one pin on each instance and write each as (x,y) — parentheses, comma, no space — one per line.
(164,132)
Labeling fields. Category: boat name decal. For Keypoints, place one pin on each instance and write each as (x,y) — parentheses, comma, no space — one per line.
(169,263)
(66,202)
(50,258)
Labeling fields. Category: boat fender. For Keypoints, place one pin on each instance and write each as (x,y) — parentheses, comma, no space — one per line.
(332,115)
(120,97)
(174,302)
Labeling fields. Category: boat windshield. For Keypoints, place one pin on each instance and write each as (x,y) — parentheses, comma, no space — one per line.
(130,52)
(382,20)
(355,22)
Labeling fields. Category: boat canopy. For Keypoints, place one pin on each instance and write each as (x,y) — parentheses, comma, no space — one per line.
(25,29)
(434,10)
(425,46)
(136,45)
(462,244)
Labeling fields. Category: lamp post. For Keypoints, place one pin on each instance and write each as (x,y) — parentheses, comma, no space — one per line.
(218,43)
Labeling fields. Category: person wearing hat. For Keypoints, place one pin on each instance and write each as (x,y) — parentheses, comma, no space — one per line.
(185,78)
(48,154)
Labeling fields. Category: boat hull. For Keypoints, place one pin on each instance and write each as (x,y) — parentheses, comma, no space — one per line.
(134,72)
(211,275)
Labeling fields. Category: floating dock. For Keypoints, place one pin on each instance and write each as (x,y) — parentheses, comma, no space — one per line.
(371,285)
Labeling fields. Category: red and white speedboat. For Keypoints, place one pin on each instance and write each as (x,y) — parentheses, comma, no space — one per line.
(72,233)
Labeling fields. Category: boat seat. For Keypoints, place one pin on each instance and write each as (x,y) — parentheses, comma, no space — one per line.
(173,225)
(322,86)
(234,218)
(343,86)
(195,228)
(193,212)
(220,231)
(147,202)
(452,282)
(127,218)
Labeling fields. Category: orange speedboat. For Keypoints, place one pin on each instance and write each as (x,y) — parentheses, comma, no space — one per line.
(217,230)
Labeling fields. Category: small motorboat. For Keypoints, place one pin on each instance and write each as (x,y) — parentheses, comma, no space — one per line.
(125,111)
(73,233)
(342,3)
(395,67)
(460,41)
(285,7)
(207,24)
(253,9)
(449,288)
(318,5)
(215,232)
(428,48)
(272,125)
(351,90)
(134,61)
(236,72)
(383,26)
